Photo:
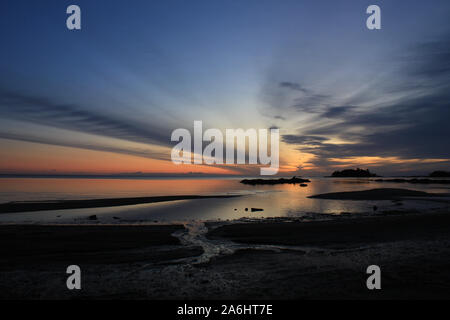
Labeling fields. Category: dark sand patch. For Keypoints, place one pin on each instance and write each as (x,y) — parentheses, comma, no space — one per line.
(413,252)
(338,233)
(26,206)
(374,194)
(415,181)
(417,270)
(30,245)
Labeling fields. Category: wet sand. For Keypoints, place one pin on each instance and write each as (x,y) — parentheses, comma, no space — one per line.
(340,233)
(375,194)
(27,206)
(270,260)
(328,259)
(56,245)
(415,181)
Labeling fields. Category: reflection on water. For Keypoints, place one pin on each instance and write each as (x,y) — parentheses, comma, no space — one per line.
(276,200)
(36,189)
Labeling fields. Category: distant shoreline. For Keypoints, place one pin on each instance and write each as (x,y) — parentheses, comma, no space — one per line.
(12,207)
(125,176)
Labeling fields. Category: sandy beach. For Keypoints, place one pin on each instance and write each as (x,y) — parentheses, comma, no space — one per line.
(268,259)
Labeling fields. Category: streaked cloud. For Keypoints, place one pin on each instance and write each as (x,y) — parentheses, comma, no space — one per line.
(411,125)
(45,111)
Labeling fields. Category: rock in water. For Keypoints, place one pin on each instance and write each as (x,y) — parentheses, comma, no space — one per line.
(293,180)
(353,173)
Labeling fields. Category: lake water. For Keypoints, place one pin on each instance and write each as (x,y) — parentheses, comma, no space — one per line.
(276,200)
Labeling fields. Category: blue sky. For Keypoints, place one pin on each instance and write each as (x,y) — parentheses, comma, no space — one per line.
(342,95)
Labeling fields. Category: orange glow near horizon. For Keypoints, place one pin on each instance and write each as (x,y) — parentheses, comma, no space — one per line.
(35,158)
(122,188)
(382,160)
(27,157)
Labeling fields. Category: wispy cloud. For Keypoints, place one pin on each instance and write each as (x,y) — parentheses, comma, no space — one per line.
(143,153)
(47,112)
(411,125)
(293,86)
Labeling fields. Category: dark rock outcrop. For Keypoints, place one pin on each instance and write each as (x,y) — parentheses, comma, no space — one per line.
(293,180)
(440,174)
(354,173)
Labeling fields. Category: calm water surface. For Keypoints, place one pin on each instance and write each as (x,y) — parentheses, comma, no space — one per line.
(277,201)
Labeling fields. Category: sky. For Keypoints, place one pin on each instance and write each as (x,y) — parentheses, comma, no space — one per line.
(105,99)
